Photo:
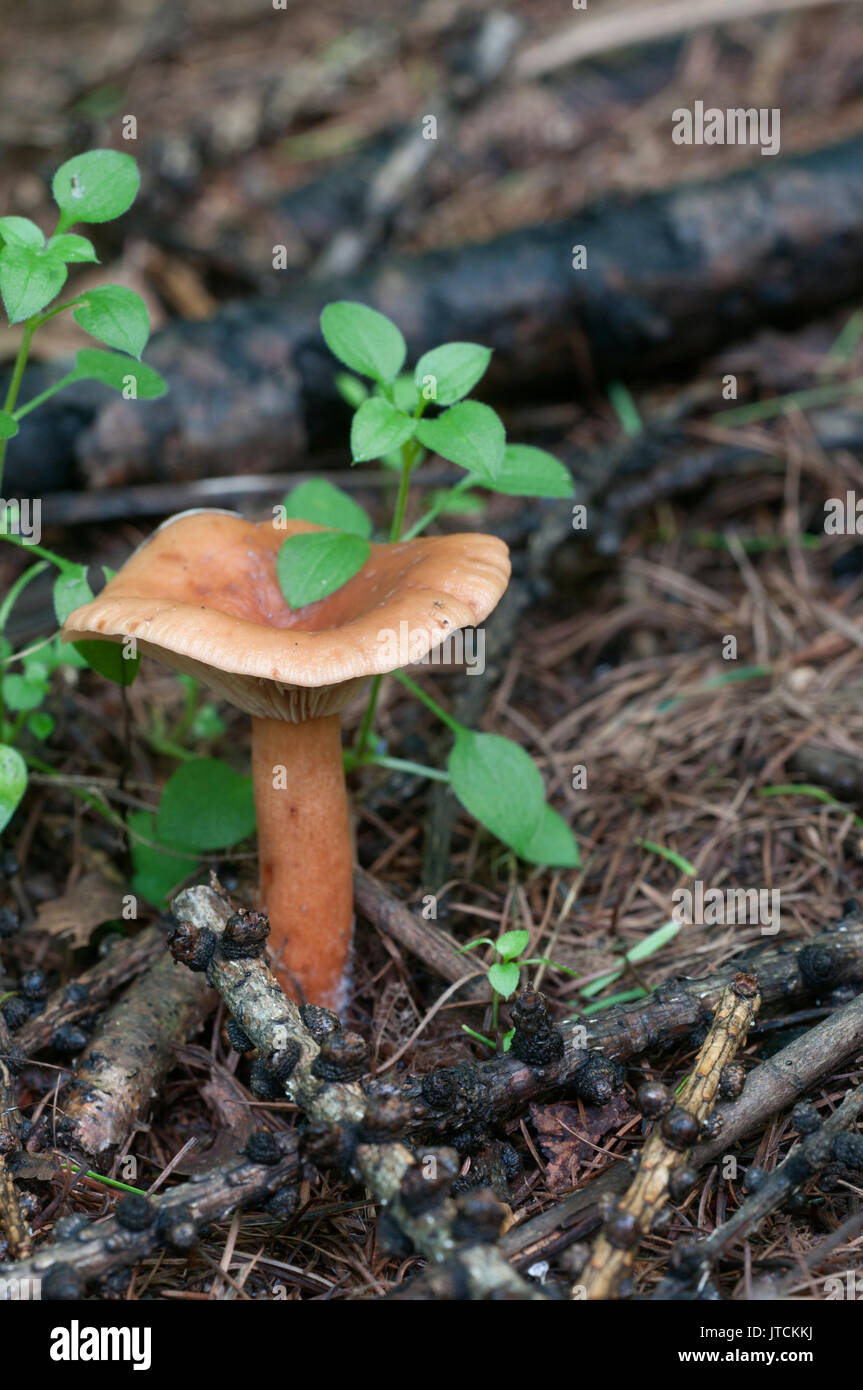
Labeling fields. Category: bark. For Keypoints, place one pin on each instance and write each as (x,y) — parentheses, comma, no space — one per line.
(99,1248)
(124,1063)
(91,988)
(615,1250)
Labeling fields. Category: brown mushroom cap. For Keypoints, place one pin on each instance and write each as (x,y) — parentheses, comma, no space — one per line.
(202,595)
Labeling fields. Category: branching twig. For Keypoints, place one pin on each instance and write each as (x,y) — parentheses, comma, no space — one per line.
(816,1149)
(671,1140)
(171,1220)
(317,1064)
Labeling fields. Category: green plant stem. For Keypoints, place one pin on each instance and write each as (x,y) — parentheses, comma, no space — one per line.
(365,729)
(429,703)
(352,762)
(411,453)
(68,380)
(12,597)
(433,512)
(30,326)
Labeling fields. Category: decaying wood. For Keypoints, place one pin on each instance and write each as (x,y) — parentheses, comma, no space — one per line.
(91,988)
(807,1158)
(782,1079)
(770,1087)
(68,1265)
(120,1070)
(423,939)
(785,973)
(12,1223)
(615,1250)
(670,277)
(414,1190)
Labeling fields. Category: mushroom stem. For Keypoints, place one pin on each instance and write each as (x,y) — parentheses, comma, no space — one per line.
(305,853)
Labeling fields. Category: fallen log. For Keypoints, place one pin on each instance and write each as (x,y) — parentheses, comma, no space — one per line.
(670,277)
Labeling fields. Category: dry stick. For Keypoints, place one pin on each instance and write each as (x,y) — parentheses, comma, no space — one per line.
(482,1090)
(423,939)
(317,1078)
(626,27)
(12,1222)
(176,1216)
(807,1158)
(667,1148)
(849,1229)
(770,1087)
(92,988)
(122,1066)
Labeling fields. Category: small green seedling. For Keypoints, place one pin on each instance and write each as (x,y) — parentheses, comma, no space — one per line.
(504,976)
(90,188)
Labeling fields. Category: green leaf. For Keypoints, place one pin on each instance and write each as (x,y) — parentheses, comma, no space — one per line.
(95,187)
(13,782)
(351,389)
(512,943)
(327,505)
(29,280)
(498,783)
(206,805)
(41,726)
(155,873)
(20,231)
(23,692)
(107,659)
(405,396)
(469,434)
(136,380)
(377,429)
(456,503)
(312,566)
(504,978)
(74,249)
(115,316)
(553,844)
(366,341)
(506,1040)
(454,368)
(71,591)
(8,425)
(530,472)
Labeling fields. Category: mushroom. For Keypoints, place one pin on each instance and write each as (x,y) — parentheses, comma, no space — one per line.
(202,596)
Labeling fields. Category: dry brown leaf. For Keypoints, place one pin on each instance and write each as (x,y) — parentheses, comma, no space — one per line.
(568,1136)
(76,915)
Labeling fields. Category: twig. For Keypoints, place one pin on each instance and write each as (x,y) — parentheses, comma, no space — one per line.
(815,1151)
(316,1063)
(171,1220)
(90,989)
(670,1141)
(425,940)
(123,1064)
(12,1222)
(472,1093)
(627,27)
(770,1087)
